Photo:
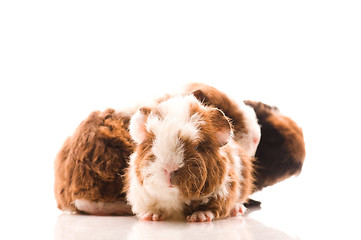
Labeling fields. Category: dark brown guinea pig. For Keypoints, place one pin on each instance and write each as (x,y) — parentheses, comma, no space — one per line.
(281,151)
(90,165)
(186,163)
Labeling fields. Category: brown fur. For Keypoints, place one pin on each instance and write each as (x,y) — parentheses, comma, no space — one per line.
(222,207)
(281,151)
(91,162)
(144,157)
(204,171)
(211,96)
(247,185)
(205,168)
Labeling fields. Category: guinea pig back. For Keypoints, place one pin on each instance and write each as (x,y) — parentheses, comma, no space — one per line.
(281,151)
(90,165)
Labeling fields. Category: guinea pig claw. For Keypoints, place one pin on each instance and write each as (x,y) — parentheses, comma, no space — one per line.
(201,216)
(152,217)
(238,208)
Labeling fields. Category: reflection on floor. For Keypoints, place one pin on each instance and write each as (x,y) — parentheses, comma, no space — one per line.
(94,227)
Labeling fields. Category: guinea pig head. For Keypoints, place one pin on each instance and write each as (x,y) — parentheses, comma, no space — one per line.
(178,147)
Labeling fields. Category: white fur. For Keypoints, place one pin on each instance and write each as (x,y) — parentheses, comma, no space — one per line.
(234,154)
(102,208)
(251,140)
(155,196)
(136,127)
(237,162)
(177,118)
(152,198)
(167,147)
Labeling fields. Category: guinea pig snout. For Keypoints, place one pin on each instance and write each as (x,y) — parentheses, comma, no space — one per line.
(169,172)
(172,178)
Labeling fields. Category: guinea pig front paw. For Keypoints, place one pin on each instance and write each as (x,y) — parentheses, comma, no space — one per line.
(201,216)
(149,216)
(237,208)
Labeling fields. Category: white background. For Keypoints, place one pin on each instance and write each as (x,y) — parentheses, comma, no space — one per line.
(60,60)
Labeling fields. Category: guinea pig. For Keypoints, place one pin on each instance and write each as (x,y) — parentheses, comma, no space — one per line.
(191,155)
(273,138)
(244,121)
(186,163)
(90,165)
(281,151)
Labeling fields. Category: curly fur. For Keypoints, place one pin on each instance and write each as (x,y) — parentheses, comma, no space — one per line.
(94,172)
(91,162)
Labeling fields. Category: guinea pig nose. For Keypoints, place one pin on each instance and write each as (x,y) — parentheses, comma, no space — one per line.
(172,177)
(170,168)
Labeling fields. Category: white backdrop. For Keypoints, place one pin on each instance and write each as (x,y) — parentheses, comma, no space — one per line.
(60,60)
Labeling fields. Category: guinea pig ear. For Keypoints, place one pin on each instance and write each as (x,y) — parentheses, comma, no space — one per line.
(137,125)
(222,126)
(200,96)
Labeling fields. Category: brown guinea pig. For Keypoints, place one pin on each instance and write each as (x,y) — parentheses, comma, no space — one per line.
(186,163)
(281,151)
(90,165)
(243,118)
(205,127)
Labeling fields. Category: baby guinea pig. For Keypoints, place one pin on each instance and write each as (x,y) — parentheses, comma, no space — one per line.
(186,163)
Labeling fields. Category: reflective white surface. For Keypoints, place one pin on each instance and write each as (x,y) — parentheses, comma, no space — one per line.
(85,227)
(280,220)
(289,211)
(273,222)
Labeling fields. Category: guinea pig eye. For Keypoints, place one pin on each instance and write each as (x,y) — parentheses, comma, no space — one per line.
(195,146)
(201,145)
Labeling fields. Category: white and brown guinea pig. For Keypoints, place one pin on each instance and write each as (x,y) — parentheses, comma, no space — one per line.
(90,165)
(243,118)
(191,155)
(186,163)
(280,151)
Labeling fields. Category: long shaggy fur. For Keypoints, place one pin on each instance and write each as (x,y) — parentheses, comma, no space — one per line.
(281,151)
(91,162)
(186,162)
(94,170)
